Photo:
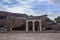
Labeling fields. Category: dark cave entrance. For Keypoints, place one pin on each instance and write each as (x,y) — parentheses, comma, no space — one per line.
(20,28)
(36,25)
(30,25)
(49,28)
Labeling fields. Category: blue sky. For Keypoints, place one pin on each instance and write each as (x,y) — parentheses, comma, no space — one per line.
(32,7)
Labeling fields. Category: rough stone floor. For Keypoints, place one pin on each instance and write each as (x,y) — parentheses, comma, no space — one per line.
(29,36)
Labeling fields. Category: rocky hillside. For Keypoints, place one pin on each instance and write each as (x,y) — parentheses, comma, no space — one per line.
(8,19)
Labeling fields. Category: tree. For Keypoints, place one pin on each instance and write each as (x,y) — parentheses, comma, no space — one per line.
(57,20)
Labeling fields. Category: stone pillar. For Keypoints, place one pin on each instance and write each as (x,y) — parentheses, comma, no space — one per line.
(10,29)
(33,26)
(26,26)
(43,28)
(40,25)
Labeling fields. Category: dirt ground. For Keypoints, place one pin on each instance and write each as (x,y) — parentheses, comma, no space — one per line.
(29,36)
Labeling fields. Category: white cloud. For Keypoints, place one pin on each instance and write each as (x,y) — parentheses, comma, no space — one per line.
(5,0)
(52,15)
(55,3)
(21,9)
(42,0)
(25,8)
(8,1)
(3,8)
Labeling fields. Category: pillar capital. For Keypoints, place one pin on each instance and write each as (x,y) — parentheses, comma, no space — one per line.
(33,21)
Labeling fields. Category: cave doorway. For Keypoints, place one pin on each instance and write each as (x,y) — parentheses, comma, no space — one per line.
(30,25)
(20,28)
(36,25)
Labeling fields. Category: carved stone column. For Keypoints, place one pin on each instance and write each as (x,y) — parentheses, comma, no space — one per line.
(40,25)
(33,26)
(26,26)
(10,28)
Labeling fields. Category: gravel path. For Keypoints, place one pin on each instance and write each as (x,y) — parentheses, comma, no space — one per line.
(30,36)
